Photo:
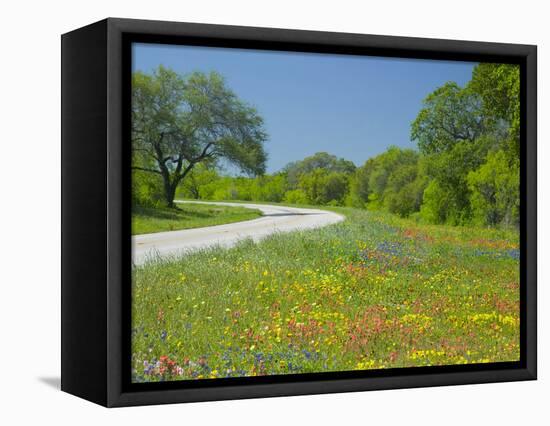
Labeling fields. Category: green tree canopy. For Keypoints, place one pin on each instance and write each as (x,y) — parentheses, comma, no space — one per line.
(323,187)
(201,176)
(499,88)
(179,122)
(391,180)
(449,115)
(462,133)
(448,172)
(372,178)
(494,191)
(319,160)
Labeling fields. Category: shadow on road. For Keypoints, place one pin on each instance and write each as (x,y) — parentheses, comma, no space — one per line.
(290,214)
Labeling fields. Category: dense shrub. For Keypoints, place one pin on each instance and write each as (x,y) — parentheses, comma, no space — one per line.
(495,191)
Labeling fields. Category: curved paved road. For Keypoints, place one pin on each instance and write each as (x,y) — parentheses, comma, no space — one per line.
(274,219)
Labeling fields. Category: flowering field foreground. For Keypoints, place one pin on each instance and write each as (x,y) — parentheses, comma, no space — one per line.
(371,292)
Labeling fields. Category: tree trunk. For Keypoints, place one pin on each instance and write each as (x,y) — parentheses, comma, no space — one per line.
(171,184)
(170,194)
(169,191)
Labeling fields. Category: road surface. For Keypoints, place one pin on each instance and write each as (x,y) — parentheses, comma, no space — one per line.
(275,219)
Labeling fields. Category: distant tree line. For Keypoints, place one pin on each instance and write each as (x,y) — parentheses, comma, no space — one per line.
(465,169)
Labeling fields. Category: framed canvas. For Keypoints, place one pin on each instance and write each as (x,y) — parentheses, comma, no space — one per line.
(256,212)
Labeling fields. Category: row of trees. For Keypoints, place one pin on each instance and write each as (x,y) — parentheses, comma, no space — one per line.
(321,179)
(465,168)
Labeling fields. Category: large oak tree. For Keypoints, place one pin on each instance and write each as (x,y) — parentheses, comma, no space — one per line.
(179,122)
(450,114)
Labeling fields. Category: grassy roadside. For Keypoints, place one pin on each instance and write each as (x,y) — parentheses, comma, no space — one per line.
(148,220)
(374,291)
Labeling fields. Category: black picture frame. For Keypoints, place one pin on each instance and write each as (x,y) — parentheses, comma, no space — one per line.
(96,246)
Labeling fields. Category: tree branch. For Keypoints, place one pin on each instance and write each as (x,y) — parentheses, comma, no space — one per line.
(204,154)
(144,169)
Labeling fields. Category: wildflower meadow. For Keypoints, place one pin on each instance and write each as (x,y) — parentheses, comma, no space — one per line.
(373,292)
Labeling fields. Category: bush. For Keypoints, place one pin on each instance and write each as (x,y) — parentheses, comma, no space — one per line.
(320,160)
(200,178)
(435,204)
(296,196)
(146,189)
(322,187)
(389,181)
(268,188)
(495,191)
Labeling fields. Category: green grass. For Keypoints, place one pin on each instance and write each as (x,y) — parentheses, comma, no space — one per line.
(185,216)
(372,292)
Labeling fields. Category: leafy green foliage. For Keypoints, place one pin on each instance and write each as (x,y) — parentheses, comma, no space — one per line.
(180,122)
(494,191)
(470,140)
(499,87)
(296,196)
(146,189)
(323,187)
(390,180)
(435,205)
(450,170)
(449,115)
(320,160)
(404,192)
(200,177)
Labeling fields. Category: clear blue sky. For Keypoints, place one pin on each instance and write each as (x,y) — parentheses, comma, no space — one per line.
(350,106)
